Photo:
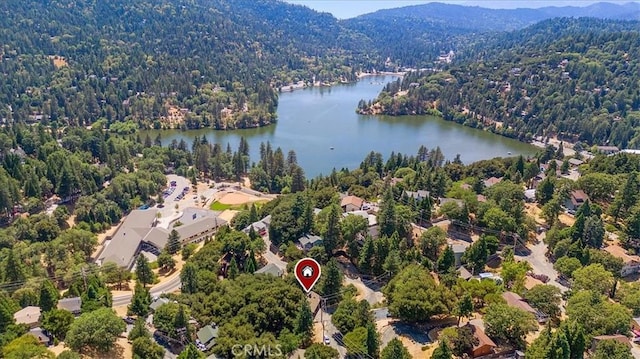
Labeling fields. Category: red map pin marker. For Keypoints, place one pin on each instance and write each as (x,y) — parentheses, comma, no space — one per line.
(307,273)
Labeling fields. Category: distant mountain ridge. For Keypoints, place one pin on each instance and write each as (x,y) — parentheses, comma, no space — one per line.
(479,18)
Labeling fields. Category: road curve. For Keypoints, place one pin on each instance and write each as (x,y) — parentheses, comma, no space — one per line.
(170,285)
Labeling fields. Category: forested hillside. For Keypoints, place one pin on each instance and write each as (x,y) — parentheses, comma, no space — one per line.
(190,63)
(575,78)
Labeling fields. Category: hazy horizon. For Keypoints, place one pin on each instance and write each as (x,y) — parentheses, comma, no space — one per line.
(344,9)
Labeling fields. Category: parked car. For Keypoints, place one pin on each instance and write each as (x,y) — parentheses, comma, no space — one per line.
(326,340)
(129,320)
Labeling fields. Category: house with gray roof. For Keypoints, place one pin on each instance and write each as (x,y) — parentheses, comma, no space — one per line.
(418,195)
(271,269)
(73,305)
(309,241)
(124,245)
(157,303)
(29,316)
(208,335)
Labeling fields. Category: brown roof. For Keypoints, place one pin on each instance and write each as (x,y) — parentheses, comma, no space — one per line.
(353,200)
(481,198)
(579,196)
(515,300)
(483,339)
(621,253)
(491,181)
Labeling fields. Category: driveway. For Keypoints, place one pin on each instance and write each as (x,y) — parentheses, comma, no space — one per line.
(540,263)
(269,256)
(370,292)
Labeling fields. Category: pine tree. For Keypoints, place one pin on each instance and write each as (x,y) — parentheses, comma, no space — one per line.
(373,342)
(251,265)
(304,322)
(181,320)
(233,269)
(190,352)
(49,296)
(173,243)
(395,350)
(13,270)
(253,214)
(331,238)
(143,271)
(387,214)
(443,351)
(139,330)
(140,301)
(189,279)
(366,256)
(446,260)
(333,278)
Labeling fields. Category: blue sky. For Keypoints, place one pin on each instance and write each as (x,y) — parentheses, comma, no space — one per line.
(343,9)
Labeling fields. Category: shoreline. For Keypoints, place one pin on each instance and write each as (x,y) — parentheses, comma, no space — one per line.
(361,75)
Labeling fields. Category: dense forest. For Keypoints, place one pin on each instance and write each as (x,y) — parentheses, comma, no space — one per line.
(177,63)
(572,78)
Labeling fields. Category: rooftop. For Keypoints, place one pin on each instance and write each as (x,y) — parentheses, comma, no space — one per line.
(352,200)
(483,339)
(207,335)
(514,300)
(371,218)
(272,269)
(621,253)
(27,315)
(70,304)
(122,247)
(492,181)
(309,239)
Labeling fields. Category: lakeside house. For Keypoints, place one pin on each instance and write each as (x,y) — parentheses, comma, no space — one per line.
(630,263)
(576,199)
(138,233)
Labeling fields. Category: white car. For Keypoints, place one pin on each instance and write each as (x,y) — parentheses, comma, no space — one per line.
(326,340)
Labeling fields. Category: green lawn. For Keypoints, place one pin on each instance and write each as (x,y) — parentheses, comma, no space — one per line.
(217,206)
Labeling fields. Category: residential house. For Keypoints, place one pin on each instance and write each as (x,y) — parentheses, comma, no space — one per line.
(29,316)
(208,335)
(443,200)
(607,150)
(464,273)
(271,269)
(157,303)
(481,198)
(618,337)
(574,162)
(372,222)
(418,195)
(530,195)
(630,263)
(138,233)
(492,181)
(44,337)
(635,329)
(309,241)
(576,199)
(514,300)
(484,346)
(466,186)
(73,305)
(351,203)
(458,251)
(259,227)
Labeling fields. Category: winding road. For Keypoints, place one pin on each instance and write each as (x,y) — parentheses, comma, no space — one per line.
(170,285)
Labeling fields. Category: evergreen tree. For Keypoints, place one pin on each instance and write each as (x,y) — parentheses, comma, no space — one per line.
(332,279)
(304,322)
(140,301)
(464,308)
(144,274)
(251,264)
(49,296)
(253,214)
(443,351)
(173,243)
(189,279)
(139,330)
(365,261)
(331,238)
(181,320)
(387,214)
(190,352)
(395,350)
(233,269)
(373,342)
(446,260)
(13,269)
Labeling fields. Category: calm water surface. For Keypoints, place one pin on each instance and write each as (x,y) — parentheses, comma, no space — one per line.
(312,121)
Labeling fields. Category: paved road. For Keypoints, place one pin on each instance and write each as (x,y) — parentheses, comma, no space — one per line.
(540,263)
(167,286)
(270,257)
(332,332)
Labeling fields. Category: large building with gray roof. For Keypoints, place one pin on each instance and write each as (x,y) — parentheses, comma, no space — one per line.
(138,232)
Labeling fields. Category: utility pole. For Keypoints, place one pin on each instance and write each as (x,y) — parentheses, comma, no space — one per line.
(84,278)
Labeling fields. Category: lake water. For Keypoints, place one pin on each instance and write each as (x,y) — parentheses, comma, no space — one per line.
(314,120)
